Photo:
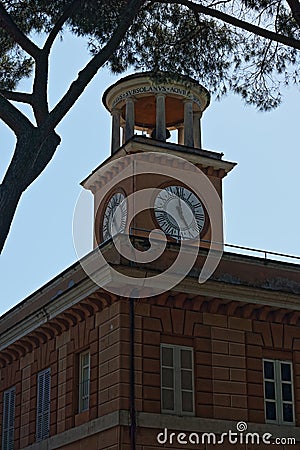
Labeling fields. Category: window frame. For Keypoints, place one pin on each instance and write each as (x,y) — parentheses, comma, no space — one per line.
(8,430)
(43,405)
(81,397)
(278,401)
(177,387)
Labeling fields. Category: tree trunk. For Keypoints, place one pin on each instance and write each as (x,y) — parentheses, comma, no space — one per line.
(9,199)
(32,154)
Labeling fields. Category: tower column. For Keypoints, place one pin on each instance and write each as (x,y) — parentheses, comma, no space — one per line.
(160,117)
(129,121)
(115,139)
(180,129)
(197,130)
(188,123)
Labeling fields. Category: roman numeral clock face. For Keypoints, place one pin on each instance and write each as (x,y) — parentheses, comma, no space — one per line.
(179,213)
(115,216)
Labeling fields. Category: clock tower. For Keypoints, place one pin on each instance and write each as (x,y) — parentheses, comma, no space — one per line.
(156,121)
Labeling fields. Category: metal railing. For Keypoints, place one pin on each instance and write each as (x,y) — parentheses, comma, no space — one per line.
(267,254)
(264,252)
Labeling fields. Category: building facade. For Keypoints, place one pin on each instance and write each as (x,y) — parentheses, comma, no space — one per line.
(93,361)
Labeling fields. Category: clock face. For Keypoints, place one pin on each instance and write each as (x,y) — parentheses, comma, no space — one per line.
(179,212)
(115,216)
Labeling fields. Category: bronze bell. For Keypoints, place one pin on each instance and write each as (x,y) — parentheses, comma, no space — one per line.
(153,134)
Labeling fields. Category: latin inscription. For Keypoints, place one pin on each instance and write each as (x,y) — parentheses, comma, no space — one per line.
(155,89)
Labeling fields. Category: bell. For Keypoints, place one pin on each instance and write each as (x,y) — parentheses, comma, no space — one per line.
(153,134)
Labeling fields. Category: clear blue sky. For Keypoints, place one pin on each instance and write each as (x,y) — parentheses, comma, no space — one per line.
(261,195)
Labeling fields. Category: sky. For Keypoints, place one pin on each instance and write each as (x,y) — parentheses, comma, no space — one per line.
(261,194)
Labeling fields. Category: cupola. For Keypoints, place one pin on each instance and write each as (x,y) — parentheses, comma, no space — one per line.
(154,105)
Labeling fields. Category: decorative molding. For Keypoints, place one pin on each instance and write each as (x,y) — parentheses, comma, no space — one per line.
(57,306)
(225,305)
(204,160)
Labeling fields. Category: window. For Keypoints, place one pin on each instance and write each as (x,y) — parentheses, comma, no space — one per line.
(84,381)
(43,405)
(8,426)
(177,379)
(278,387)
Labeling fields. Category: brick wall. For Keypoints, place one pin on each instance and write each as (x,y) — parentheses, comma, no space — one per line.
(228,353)
(228,358)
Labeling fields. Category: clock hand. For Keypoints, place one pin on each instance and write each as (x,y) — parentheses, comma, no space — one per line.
(114,220)
(181,215)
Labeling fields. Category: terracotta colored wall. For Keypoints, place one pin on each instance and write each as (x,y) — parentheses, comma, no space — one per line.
(228,359)
(228,353)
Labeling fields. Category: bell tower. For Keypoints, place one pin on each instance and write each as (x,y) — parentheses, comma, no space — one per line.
(157,116)
(155,105)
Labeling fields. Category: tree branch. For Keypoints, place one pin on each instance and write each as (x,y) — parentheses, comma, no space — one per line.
(59,24)
(40,90)
(267,34)
(14,31)
(22,97)
(295,8)
(40,93)
(216,3)
(90,70)
(13,117)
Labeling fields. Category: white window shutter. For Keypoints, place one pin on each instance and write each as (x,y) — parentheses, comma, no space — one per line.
(40,404)
(43,405)
(8,428)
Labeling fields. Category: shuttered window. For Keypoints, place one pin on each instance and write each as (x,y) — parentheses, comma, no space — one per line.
(43,405)
(177,379)
(8,426)
(84,381)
